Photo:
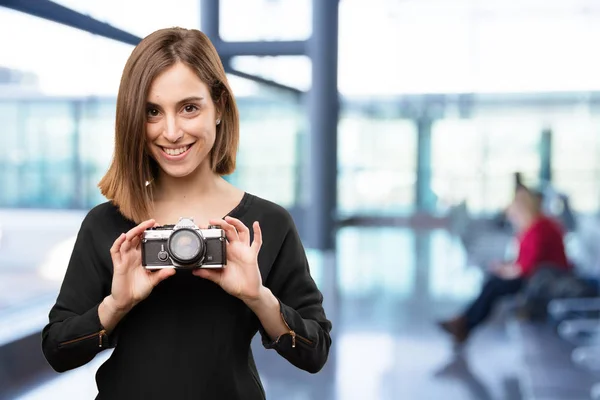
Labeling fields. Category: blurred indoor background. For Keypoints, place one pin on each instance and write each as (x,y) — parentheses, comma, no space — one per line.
(392,131)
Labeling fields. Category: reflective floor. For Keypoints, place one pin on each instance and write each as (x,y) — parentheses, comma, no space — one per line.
(384,289)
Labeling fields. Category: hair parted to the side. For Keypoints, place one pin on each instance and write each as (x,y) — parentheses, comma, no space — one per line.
(131,167)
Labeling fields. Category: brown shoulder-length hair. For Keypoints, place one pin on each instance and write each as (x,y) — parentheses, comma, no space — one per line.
(125,182)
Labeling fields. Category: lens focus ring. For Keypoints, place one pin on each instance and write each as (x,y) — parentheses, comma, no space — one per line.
(186,246)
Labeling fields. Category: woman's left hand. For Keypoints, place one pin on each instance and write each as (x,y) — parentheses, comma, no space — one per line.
(241,276)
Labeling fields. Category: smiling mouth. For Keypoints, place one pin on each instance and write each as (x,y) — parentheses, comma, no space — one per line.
(176,152)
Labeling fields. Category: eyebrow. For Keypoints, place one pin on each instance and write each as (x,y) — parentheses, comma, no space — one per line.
(180,102)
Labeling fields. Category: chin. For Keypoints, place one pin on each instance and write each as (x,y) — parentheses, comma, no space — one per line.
(177,172)
(180,168)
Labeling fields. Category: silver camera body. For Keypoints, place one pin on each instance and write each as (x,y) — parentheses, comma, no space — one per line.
(184,246)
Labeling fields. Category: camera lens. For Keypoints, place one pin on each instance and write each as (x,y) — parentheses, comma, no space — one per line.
(186,246)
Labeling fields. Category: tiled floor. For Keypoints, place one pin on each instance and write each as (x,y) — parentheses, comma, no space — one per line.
(383,290)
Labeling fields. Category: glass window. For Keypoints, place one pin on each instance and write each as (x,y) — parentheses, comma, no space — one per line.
(486,46)
(38,169)
(10,147)
(293,71)
(457,160)
(56,151)
(575,160)
(47,155)
(271,135)
(256,20)
(377,164)
(140,17)
(96,145)
(475,159)
(88,65)
(421,60)
(47,97)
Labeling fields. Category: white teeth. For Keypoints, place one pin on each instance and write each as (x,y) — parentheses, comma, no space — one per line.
(176,152)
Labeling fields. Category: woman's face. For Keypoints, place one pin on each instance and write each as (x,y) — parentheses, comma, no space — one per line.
(515,214)
(181,121)
(520,210)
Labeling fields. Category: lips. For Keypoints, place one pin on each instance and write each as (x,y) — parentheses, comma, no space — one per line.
(177,153)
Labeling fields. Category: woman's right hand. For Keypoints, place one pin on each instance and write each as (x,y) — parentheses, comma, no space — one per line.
(132,282)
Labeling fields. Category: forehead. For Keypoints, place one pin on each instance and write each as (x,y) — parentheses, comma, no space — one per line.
(175,83)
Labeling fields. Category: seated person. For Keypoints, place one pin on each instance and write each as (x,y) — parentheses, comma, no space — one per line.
(540,243)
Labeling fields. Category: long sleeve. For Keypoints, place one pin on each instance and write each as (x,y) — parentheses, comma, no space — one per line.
(307,344)
(74,334)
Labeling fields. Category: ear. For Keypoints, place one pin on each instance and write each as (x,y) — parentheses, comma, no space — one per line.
(220,105)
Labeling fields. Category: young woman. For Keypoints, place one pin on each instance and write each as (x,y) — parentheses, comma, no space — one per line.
(182,333)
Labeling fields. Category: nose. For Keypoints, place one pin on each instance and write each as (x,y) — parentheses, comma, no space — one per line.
(171,130)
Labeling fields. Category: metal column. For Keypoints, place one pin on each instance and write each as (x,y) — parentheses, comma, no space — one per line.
(323,108)
(209,19)
(546,156)
(424,196)
(63,15)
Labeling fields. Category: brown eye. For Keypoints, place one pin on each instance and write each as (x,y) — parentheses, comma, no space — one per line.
(152,112)
(190,108)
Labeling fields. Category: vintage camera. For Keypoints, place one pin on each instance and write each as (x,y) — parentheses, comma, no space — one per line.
(184,246)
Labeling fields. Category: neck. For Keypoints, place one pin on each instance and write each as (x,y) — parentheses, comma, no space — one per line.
(198,185)
(528,221)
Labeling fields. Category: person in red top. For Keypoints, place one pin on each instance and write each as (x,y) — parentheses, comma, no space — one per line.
(540,244)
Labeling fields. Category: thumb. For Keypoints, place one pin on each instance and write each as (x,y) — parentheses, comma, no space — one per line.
(161,275)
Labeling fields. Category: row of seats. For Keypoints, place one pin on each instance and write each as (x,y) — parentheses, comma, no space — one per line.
(578,320)
(561,355)
(579,324)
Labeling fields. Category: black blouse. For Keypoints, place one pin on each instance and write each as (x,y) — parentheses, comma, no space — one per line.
(189,339)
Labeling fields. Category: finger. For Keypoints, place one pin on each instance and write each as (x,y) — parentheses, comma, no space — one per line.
(161,275)
(229,229)
(116,247)
(258,239)
(213,275)
(117,244)
(138,230)
(135,242)
(125,247)
(243,231)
